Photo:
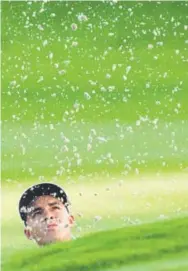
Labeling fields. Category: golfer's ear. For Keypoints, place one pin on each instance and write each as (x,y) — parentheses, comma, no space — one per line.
(28,233)
(71,220)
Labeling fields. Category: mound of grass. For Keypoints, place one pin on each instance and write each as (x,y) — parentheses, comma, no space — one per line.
(111,249)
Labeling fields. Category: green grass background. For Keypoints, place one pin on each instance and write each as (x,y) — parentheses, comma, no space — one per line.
(140,122)
(107,119)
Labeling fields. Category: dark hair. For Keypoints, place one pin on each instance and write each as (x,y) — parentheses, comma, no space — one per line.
(43,189)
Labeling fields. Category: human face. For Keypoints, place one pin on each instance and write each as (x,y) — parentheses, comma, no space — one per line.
(48,221)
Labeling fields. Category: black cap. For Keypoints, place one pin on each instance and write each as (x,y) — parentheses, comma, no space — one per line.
(42,189)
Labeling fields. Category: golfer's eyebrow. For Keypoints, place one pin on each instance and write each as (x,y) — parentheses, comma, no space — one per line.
(35,210)
(53,203)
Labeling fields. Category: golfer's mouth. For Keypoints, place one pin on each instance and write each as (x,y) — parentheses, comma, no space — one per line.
(52,226)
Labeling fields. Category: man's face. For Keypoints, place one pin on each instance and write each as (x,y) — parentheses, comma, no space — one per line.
(48,221)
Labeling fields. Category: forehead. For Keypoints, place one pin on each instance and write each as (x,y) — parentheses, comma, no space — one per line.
(45,200)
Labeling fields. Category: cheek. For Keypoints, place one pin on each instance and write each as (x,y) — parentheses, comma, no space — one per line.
(39,232)
(63,217)
(36,226)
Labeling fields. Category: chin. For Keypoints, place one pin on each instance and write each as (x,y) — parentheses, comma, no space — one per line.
(55,238)
(47,241)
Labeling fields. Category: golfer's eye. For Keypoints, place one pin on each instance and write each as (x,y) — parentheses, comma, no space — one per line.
(56,207)
(36,214)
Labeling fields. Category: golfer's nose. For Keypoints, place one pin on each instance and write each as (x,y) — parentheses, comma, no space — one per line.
(48,215)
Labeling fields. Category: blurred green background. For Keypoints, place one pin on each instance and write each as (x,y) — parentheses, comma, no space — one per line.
(108,96)
(94,97)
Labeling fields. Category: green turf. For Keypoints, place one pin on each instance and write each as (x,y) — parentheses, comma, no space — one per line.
(130,245)
(175,264)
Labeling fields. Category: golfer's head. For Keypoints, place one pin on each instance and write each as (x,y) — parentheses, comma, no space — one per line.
(45,214)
